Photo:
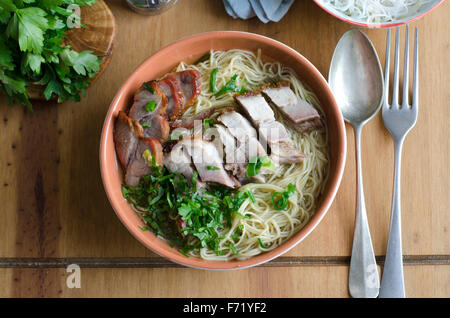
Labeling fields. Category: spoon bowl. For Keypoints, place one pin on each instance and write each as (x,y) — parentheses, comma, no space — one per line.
(356,78)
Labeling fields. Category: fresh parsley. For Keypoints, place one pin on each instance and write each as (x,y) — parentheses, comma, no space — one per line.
(32,51)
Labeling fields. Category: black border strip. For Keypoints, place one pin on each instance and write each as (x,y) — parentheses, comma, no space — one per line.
(158,262)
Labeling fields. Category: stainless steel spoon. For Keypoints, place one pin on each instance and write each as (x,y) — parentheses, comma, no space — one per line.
(356,80)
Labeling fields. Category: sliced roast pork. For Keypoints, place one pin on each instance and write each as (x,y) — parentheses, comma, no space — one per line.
(237,124)
(178,161)
(247,145)
(256,107)
(271,132)
(205,158)
(280,143)
(302,114)
(148,150)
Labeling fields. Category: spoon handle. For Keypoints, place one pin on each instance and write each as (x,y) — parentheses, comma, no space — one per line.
(363,277)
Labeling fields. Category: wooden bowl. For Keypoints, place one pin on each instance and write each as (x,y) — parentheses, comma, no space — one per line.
(188,50)
(99,37)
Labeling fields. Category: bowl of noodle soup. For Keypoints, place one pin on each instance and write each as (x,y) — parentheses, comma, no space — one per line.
(257,60)
(378,13)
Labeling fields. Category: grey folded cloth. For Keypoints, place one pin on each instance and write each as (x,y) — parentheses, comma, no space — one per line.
(265,10)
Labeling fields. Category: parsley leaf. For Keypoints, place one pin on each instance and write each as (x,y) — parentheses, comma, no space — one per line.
(32,51)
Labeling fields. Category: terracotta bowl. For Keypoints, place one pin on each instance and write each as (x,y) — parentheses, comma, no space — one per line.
(423,11)
(190,49)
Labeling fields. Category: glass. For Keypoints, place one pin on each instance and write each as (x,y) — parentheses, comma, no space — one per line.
(150,7)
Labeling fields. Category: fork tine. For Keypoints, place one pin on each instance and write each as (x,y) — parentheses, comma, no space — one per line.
(406,70)
(395,82)
(386,69)
(415,97)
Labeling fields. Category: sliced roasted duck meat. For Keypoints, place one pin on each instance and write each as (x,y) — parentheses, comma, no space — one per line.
(155,126)
(206,160)
(271,132)
(175,99)
(302,114)
(190,82)
(126,135)
(148,100)
(149,109)
(148,150)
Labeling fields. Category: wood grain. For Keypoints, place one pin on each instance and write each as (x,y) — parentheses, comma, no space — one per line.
(54,205)
(304,281)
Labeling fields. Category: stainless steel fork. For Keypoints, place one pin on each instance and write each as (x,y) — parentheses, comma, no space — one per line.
(398,119)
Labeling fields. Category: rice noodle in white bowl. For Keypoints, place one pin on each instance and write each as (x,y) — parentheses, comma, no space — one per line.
(378,13)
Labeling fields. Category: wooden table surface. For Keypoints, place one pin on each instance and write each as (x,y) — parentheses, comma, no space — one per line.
(54,211)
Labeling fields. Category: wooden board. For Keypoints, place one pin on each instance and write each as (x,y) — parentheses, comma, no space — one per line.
(54,207)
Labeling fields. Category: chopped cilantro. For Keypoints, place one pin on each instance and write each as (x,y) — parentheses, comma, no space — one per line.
(169,199)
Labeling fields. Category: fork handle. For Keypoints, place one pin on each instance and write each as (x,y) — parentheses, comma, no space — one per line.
(392,282)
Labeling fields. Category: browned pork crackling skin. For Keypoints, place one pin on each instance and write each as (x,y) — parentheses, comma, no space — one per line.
(302,115)
(271,132)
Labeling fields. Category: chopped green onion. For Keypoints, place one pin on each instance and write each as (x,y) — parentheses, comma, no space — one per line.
(150,106)
(208,123)
(233,248)
(261,243)
(255,164)
(243,90)
(148,87)
(203,58)
(146,125)
(212,168)
(280,199)
(212,80)
(230,86)
(251,196)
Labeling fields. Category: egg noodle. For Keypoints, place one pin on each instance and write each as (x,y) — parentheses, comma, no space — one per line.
(377,11)
(263,228)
